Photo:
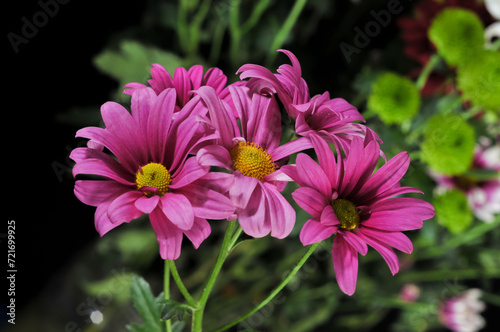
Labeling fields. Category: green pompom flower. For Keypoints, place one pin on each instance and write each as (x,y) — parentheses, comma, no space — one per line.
(479,81)
(448,144)
(453,211)
(394,98)
(457,34)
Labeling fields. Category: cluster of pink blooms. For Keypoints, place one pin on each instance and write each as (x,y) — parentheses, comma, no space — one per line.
(194,148)
(462,313)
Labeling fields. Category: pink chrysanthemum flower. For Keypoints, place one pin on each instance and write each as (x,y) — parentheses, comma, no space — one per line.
(333,118)
(183,81)
(345,198)
(482,193)
(253,157)
(149,170)
(462,313)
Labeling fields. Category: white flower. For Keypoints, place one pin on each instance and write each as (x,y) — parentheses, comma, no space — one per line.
(462,313)
(492,32)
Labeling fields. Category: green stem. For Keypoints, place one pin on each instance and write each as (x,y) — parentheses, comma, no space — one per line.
(283,33)
(175,274)
(166,292)
(429,67)
(224,252)
(275,292)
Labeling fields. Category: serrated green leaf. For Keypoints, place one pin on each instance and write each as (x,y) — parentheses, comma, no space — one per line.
(146,305)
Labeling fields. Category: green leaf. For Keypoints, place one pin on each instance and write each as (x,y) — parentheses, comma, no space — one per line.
(170,308)
(132,62)
(146,305)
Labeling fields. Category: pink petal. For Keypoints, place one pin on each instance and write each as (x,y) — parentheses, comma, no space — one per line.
(190,172)
(169,236)
(310,200)
(121,124)
(314,231)
(328,216)
(195,74)
(178,210)
(158,123)
(182,85)
(386,177)
(214,155)
(312,175)
(122,209)
(392,221)
(354,241)
(101,220)
(99,163)
(207,203)
(405,205)
(385,251)
(219,115)
(141,104)
(94,193)
(395,239)
(326,159)
(147,204)
(285,150)
(253,218)
(281,213)
(345,264)
(199,232)
(242,189)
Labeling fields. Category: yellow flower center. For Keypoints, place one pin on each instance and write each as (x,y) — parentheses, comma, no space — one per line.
(153,179)
(346,213)
(252,160)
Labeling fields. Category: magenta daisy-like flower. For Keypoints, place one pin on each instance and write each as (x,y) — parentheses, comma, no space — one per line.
(346,198)
(149,170)
(253,156)
(183,81)
(333,118)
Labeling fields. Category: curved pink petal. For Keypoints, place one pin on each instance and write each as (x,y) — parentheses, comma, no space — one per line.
(326,159)
(242,189)
(393,221)
(190,172)
(169,236)
(207,203)
(385,251)
(92,161)
(182,85)
(141,104)
(328,216)
(354,241)
(93,193)
(310,200)
(214,155)
(385,177)
(394,239)
(101,220)
(314,231)
(285,150)
(312,175)
(253,218)
(199,232)
(122,209)
(405,206)
(120,123)
(345,264)
(219,115)
(178,210)
(158,124)
(117,147)
(281,213)
(147,204)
